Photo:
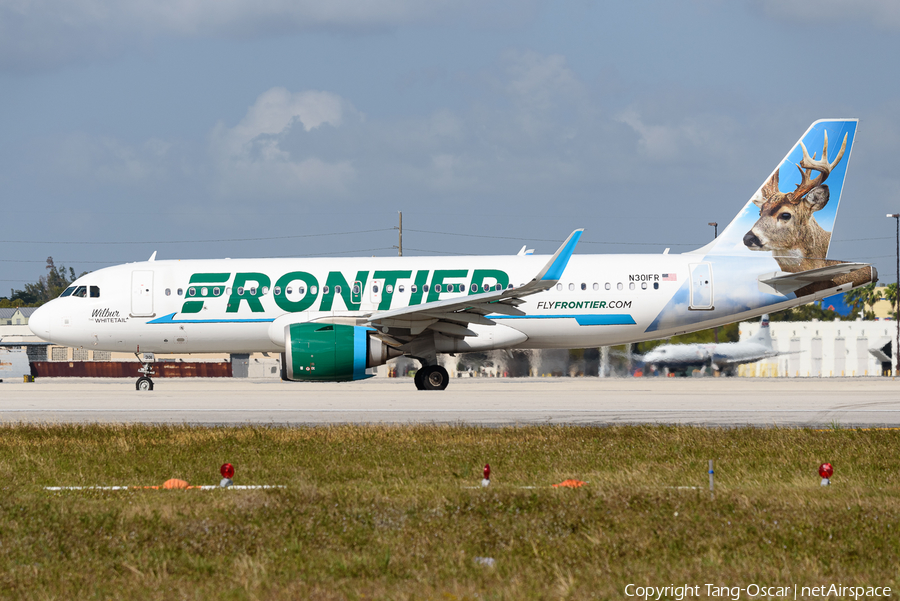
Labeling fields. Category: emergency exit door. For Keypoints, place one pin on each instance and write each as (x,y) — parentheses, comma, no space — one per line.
(701,287)
(142,294)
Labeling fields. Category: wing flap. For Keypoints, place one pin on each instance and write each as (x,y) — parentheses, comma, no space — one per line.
(474,307)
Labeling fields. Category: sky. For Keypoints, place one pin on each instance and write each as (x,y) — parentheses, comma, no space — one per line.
(229,128)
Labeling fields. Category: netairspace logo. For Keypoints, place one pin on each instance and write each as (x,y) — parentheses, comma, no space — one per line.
(831,591)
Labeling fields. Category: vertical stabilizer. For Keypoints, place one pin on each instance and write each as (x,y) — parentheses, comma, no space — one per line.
(791,215)
(764,336)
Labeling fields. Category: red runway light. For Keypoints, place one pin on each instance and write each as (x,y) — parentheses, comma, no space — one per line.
(826,471)
(227,471)
(487,471)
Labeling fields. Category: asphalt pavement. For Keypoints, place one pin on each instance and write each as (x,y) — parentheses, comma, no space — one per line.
(784,402)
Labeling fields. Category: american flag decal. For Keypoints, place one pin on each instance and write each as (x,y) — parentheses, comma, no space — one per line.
(670,277)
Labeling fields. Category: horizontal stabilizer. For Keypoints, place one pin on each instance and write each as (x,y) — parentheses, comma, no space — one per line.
(784,282)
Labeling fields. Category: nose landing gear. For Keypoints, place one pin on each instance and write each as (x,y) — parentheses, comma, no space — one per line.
(144,382)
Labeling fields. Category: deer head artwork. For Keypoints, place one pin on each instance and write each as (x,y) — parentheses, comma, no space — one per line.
(786,224)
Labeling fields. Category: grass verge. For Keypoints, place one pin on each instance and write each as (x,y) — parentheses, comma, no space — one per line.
(396,512)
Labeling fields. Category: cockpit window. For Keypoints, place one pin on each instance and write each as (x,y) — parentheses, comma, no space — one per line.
(95,292)
(80,292)
(67,291)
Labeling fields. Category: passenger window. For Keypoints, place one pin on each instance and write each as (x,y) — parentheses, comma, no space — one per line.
(95,292)
(583,286)
(168,292)
(312,290)
(240,291)
(509,287)
(289,290)
(179,292)
(631,285)
(265,290)
(227,290)
(375,289)
(643,285)
(571,287)
(474,287)
(656,285)
(337,289)
(596,286)
(302,290)
(204,291)
(253,291)
(355,289)
(400,288)
(498,287)
(389,289)
(437,287)
(192,291)
(277,290)
(559,286)
(216,291)
(425,288)
(619,286)
(413,288)
(67,291)
(324,289)
(608,286)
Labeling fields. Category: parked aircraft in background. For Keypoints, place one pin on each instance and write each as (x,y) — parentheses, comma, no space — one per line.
(334,318)
(719,356)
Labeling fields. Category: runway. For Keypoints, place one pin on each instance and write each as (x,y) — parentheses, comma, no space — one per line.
(789,402)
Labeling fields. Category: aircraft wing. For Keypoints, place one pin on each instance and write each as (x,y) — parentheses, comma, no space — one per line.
(450,316)
(784,282)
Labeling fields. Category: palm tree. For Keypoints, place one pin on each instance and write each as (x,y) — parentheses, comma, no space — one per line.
(863,297)
(890,295)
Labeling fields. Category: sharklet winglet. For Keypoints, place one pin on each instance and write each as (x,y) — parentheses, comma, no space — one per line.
(557,264)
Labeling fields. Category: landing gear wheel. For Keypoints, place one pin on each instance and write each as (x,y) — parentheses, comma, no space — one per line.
(143,383)
(419,379)
(435,377)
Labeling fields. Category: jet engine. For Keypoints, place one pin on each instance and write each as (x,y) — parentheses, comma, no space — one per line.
(328,352)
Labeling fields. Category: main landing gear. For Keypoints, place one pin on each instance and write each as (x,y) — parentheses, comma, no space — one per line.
(432,377)
(144,382)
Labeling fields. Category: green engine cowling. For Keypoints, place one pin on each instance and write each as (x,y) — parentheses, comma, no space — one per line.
(328,352)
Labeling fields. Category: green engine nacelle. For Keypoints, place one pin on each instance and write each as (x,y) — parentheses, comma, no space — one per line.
(328,352)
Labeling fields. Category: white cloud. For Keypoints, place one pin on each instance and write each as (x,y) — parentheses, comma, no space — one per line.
(104,160)
(545,93)
(275,112)
(694,138)
(251,157)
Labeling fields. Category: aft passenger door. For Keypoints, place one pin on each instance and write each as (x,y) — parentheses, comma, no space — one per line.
(142,294)
(701,287)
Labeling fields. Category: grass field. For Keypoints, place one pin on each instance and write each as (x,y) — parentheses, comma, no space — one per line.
(398,513)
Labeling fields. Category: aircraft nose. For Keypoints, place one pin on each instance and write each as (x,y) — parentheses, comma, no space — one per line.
(39,323)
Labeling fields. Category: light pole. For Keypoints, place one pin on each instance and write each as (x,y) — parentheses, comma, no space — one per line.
(896,348)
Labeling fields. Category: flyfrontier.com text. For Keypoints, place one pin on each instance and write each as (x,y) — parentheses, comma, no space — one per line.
(834,591)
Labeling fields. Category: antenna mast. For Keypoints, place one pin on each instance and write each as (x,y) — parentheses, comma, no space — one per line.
(401,234)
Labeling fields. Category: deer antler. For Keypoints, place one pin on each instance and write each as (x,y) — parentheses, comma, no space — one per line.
(808,165)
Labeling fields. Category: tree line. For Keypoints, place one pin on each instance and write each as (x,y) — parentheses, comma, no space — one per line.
(47,287)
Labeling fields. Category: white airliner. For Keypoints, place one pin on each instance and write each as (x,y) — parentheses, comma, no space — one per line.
(719,356)
(334,318)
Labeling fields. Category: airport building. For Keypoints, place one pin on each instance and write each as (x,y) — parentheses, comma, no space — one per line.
(822,349)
